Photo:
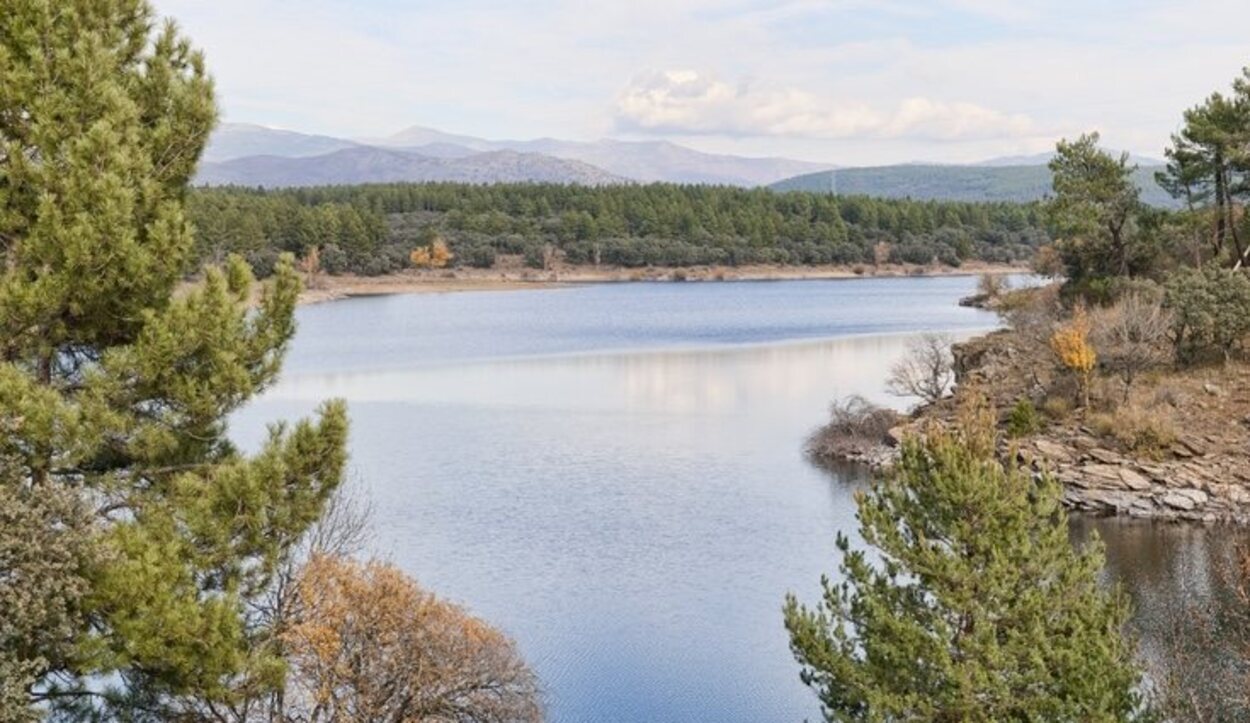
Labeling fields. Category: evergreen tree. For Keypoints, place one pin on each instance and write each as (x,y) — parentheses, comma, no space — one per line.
(974,607)
(1094,211)
(1209,166)
(115,391)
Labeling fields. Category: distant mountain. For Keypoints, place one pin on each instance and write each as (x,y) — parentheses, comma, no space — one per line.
(1041,159)
(246,154)
(654,161)
(952,183)
(364,164)
(239,140)
(421,136)
(645,161)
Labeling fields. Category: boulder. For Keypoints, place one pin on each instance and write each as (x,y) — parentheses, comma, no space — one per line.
(1184,499)
(1134,480)
(1053,451)
(1105,456)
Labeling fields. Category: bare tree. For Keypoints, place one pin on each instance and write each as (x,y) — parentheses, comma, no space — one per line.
(369,644)
(1133,337)
(926,369)
(992,286)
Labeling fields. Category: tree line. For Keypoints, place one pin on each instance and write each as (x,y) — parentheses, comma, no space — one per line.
(372,229)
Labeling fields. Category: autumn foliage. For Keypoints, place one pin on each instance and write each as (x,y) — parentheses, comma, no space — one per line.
(434,255)
(1075,351)
(369,644)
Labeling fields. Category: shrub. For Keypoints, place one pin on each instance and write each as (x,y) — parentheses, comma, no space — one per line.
(1211,310)
(368,643)
(1033,312)
(1137,429)
(1024,419)
(853,422)
(1132,337)
(1075,352)
(1057,407)
(479,256)
(992,286)
(1047,262)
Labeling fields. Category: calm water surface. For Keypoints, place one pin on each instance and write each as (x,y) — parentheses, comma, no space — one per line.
(613,473)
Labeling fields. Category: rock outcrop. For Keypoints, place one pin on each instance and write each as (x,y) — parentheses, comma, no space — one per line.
(1189,486)
(1204,475)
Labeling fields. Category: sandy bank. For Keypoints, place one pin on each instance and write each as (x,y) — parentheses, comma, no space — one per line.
(327,288)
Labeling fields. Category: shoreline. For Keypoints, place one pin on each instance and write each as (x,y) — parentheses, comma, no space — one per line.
(325,287)
(1201,475)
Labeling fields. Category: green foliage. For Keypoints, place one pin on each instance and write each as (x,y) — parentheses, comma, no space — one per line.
(1209,167)
(115,393)
(44,555)
(629,226)
(1017,184)
(1211,312)
(1024,419)
(974,606)
(1095,213)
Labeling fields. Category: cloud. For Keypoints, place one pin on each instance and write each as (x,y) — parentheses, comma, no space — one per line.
(690,103)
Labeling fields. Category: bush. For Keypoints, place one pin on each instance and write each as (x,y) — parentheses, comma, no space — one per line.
(1024,419)
(853,422)
(1033,312)
(479,256)
(1211,309)
(1132,337)
(333,260)
(1058,407)
(992,286)
(1144,431)
(263,262)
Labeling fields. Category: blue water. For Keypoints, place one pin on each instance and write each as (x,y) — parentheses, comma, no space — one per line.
(613,473)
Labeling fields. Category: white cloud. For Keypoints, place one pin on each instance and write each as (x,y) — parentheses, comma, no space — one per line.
(833,77)
(690,103)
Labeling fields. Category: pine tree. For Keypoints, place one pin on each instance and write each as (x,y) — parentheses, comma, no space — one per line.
(1095,210)
(115,390)
(973,605)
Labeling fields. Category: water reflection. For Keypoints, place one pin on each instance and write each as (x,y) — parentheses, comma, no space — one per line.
(633,518)
(700,381)
(1187,615)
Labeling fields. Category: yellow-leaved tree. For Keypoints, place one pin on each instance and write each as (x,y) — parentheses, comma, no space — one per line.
(1075,351)
(434,255)
(367,643)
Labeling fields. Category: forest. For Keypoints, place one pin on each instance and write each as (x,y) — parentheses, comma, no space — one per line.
(373,229)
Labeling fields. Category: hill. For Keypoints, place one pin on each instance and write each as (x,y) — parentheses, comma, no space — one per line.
(239,140)
(952,183)
(364,164)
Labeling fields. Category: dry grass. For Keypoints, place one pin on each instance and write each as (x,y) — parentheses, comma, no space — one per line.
(1143,431)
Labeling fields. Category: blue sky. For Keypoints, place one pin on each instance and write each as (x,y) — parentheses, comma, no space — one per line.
(840,81)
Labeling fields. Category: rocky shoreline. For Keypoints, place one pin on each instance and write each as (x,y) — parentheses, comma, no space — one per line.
(1203,476)
(1193,485)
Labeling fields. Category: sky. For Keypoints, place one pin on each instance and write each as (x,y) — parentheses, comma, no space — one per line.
(849,82)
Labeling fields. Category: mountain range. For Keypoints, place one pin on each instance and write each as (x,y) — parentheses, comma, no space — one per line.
(253,155)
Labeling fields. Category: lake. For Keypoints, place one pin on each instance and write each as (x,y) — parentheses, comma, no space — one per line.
(613,473)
